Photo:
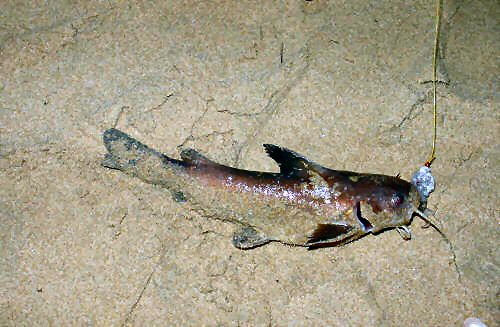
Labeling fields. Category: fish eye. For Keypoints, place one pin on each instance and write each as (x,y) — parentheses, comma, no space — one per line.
(397,199)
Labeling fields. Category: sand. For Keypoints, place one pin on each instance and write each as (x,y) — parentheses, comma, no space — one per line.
(341,82)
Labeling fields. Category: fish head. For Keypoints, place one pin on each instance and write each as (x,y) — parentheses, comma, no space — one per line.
(405,205)
(390,202)
(393,203)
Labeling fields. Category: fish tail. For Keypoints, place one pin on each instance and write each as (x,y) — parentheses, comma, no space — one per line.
(129,155)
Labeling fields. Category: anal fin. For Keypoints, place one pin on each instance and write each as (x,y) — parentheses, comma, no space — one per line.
(248,238)
(111,161)
(195,158)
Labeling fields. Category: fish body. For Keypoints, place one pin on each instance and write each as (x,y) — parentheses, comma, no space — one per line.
(305,204)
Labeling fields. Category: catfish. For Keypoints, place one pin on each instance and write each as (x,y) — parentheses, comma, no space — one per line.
(305,204)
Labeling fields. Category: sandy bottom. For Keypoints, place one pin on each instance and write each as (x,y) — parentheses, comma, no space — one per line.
(341,82)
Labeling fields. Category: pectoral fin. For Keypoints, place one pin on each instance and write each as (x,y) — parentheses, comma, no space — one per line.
(330,235)
(404,232)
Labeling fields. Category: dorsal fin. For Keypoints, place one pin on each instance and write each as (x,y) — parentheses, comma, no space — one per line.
(292,164)
(195,158)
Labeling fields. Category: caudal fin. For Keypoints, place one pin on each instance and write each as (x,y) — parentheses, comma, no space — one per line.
(113,137)
(124,150)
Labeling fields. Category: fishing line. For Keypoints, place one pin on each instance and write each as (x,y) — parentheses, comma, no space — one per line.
(432,156)
(423,179)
